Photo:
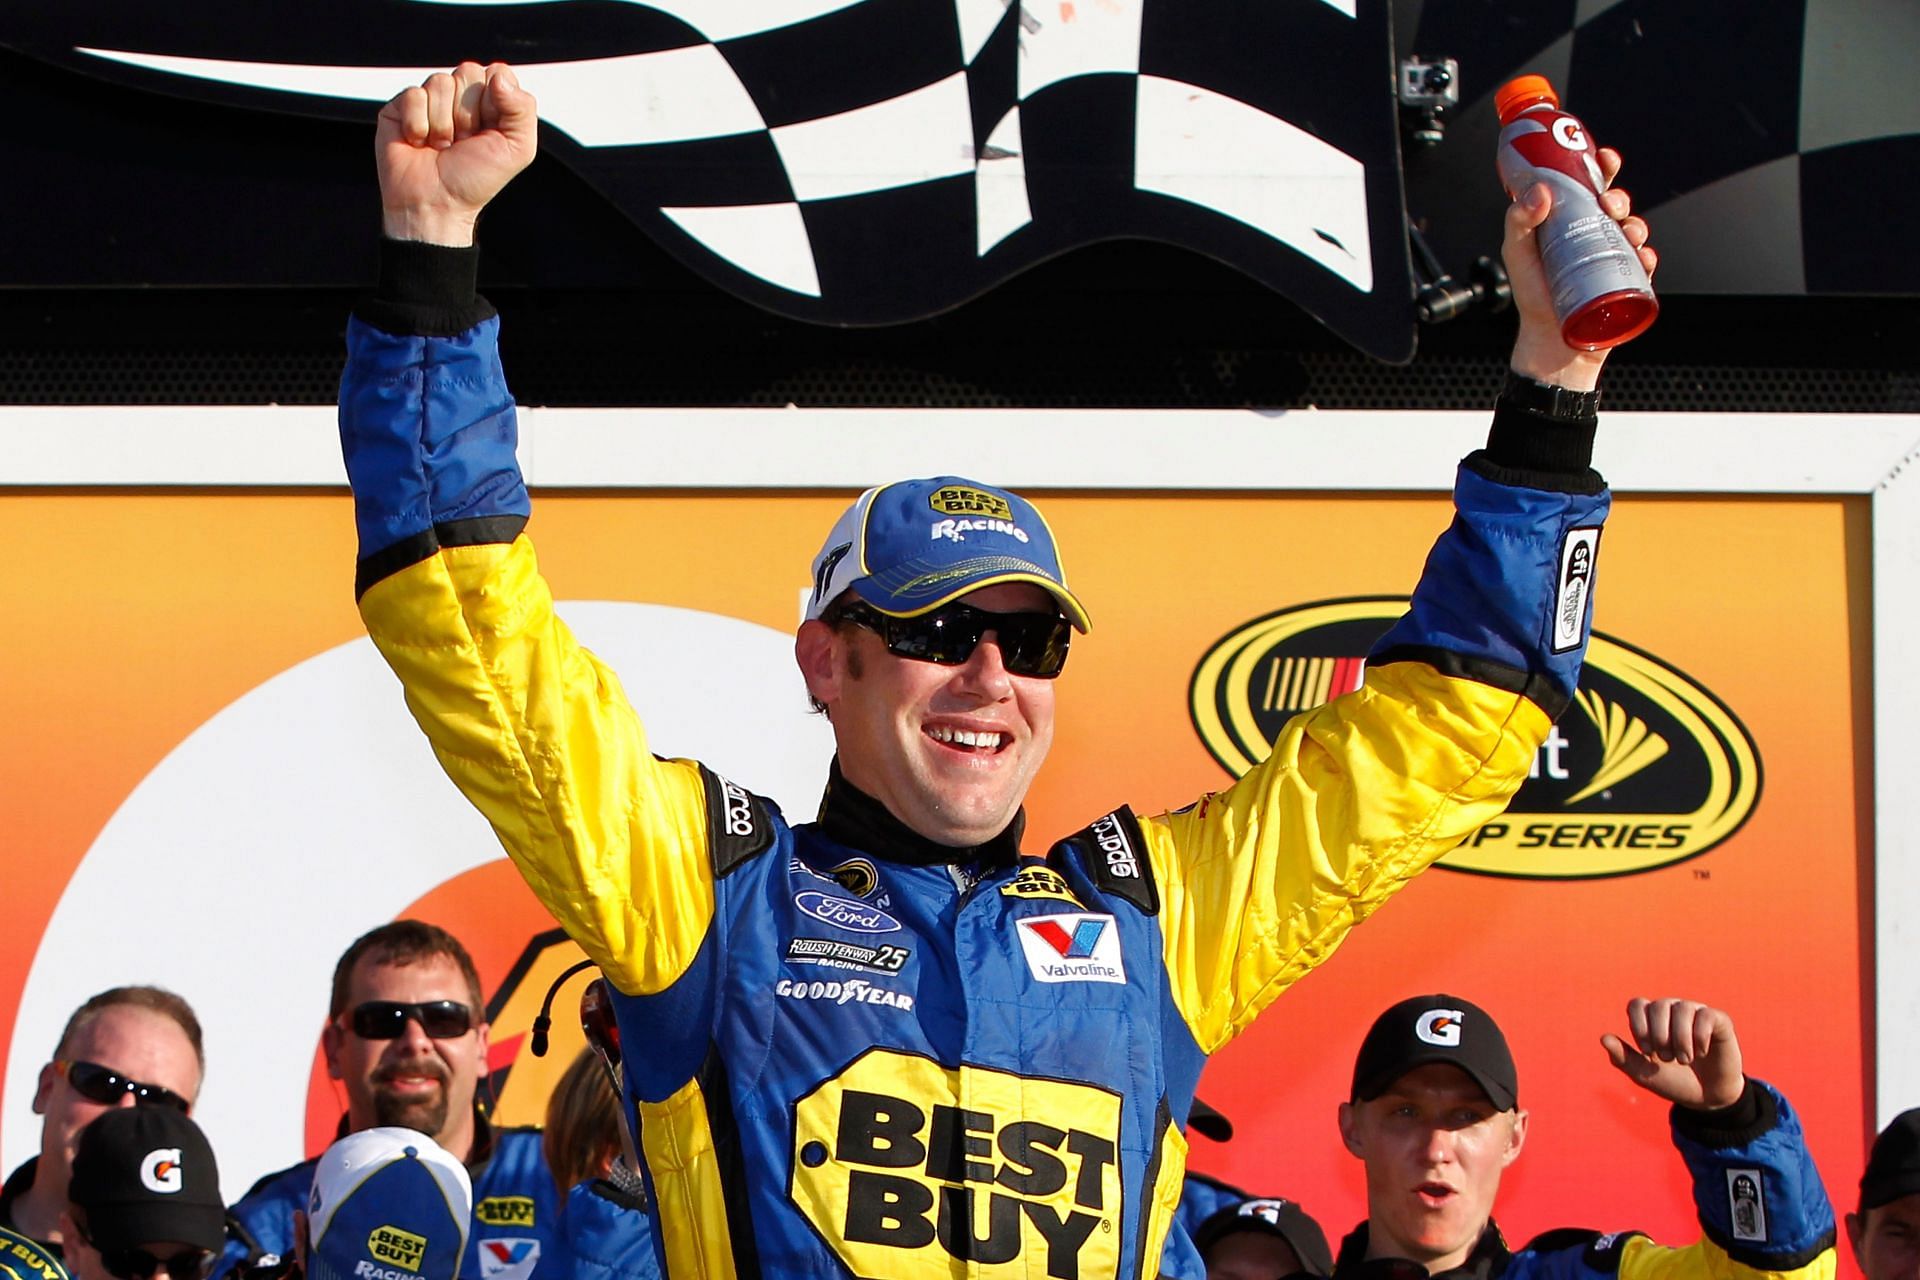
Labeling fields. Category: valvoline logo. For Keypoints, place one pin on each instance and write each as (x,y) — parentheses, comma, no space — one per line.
(509,1258)
(1645,769)
(1079,947)
(841,913)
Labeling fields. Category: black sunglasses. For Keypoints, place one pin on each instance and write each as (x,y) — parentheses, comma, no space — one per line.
(1031,644)
(106,1086)
(387,1019)
(138,1264)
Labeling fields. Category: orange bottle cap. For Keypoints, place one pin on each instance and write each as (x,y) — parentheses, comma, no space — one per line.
(1520,92)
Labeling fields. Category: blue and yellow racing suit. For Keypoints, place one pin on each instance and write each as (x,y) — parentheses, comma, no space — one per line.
(856,1053)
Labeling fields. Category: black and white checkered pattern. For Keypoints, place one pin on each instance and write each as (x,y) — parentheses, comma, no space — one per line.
(876,161)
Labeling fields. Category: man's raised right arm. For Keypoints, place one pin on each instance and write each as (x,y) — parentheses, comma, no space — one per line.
(530,726)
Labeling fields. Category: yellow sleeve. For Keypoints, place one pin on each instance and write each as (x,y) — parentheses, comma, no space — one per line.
(539,735)
(1259,883)
(1642,1259)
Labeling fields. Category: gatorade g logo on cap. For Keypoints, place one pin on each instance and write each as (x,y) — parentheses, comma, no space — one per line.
(904,1181)
(964,500)
(160,1170)
(1440,1026)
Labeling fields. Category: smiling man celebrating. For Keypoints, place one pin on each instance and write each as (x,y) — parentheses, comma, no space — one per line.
(893,1041)
(1436,1119)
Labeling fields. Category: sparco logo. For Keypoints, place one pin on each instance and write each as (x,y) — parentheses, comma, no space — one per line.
(739,809)
(903,1181)
(1113,843)
(842,914)
(1645,769)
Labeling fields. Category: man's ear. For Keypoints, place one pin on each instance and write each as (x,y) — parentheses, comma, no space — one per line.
(330,1039)
(43,1089)
(815,648)
(1516,1139)
(1350,1130)
(1857,1236)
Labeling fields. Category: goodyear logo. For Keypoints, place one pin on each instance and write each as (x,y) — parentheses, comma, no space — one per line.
(907,1167)
(505,1211)
(965,500)
(1646,768)
(398,1248)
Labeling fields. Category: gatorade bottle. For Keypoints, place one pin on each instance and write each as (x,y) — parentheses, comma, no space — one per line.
(1600,291)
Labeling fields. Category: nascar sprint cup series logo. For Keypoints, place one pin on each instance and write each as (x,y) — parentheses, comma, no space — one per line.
(1645,768)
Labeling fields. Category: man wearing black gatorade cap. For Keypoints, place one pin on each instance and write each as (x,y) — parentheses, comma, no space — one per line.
(1434,1113)
(1885,1233)
(144,1199)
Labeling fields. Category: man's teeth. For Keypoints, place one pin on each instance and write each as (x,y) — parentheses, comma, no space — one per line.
(966,737)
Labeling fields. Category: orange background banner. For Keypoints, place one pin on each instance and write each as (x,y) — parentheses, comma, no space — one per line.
(134,619)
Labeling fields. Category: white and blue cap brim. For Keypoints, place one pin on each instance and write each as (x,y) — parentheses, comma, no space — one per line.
(389,1197)
(909,547)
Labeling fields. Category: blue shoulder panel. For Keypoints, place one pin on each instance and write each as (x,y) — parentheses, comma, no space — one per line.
(1507,592)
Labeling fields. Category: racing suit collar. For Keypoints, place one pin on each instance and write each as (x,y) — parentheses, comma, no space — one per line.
(851,817)
(1487,1261)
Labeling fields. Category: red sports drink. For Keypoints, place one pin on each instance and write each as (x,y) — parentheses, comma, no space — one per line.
(1601,293)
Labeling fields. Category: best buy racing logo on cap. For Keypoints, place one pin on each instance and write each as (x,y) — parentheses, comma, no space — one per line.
(397,1247)
(505,1211)
(964,500)
(905,1167)
(1647,768)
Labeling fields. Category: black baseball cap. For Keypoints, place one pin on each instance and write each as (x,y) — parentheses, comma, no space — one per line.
(144,1175)
(1893,1166)
(1272,1216)
(1436,1028)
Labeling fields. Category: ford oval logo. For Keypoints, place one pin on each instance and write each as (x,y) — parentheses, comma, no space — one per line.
(842,914)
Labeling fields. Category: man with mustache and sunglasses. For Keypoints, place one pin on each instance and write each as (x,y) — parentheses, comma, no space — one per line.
(895,1041)
(406,1036)
(132,1046)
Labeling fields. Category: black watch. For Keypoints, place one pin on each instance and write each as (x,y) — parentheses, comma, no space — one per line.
(1547,400)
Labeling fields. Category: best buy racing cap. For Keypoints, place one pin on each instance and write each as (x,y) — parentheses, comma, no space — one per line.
(1436,1028)
(909,547)
(145,1175)
(388,1204)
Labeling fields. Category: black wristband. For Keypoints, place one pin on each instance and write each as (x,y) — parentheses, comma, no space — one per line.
(1547,400)
(425,290)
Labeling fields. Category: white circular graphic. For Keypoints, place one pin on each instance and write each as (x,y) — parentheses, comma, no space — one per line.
(311,809)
